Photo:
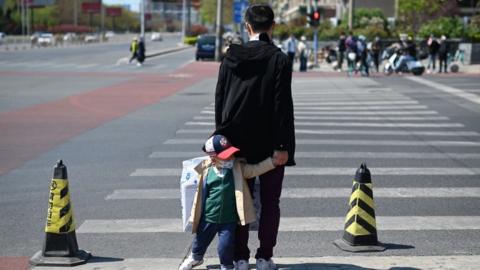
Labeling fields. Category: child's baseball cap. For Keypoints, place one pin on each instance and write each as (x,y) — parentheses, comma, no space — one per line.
(218,146)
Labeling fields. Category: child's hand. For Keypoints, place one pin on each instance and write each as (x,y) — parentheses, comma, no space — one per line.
(276,162)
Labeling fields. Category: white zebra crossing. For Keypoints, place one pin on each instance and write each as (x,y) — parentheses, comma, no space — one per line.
(289,224)
(304,193)
(382,105)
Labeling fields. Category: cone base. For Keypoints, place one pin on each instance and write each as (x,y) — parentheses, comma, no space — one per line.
(81,257)
(343,245)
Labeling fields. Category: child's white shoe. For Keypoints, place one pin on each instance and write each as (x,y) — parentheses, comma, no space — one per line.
(189,263)
(241,265)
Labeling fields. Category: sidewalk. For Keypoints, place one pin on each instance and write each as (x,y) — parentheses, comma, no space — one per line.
(299,263)
(327,68)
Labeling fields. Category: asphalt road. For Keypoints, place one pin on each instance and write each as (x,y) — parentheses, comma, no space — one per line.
(118,128)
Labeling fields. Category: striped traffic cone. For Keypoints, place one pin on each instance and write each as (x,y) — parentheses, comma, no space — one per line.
(360,233)
(60,247)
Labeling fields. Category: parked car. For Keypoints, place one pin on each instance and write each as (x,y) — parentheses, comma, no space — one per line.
(155,36)
(205,47)
(45,39)
(69,37)
(109,34)
(91,38)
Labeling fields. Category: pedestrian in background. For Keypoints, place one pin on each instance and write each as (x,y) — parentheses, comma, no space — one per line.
(362,52)
(352,56)
(141,52)
(133,49)
(291,45)
(433,48)
(254,109)
(303,53)
(341,50)
(376,50)
(443,54)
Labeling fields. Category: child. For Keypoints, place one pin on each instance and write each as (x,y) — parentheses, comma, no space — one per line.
(222,200)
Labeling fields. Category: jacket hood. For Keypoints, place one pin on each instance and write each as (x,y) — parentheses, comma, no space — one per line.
(239,56)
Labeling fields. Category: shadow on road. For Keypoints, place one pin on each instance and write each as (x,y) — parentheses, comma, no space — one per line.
(95,259)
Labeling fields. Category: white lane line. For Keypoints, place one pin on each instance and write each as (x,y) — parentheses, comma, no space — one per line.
(386,132)
(362,108)
(367,155)
(386,155)
(304,193)
(176,154)
(361,118)
(353,113)
(330,103)
(297,112)
(87,66)
(406,171)
(447,89)
(355,124)
(373,118)
(373,132)
(352,142)
(289,224)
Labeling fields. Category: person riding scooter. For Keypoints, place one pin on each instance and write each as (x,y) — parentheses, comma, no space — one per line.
(409,54)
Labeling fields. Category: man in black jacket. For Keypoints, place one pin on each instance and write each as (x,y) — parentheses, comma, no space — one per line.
(254,109)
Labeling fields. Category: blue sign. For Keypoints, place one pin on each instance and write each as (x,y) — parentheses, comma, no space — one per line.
(239,7)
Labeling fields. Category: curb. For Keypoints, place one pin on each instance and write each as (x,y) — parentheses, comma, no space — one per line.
(167,51)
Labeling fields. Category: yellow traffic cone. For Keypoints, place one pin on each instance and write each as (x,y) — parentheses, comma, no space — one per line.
(60,247)
(360,233)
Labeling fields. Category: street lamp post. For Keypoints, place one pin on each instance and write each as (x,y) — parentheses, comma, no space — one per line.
(218,42)
(142,18)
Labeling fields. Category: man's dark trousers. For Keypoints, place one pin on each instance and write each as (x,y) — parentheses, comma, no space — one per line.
(270,191)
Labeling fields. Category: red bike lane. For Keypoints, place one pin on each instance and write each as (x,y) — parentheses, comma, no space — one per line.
(28,132)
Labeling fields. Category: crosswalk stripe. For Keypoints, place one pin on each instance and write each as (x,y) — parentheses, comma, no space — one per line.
(352,142)
(369,155)
(289,224)
(377,113)
(354,124)
(159,194)
(364,118)
(335,112)
(305,171)
(464,262)
(361,108)
(357,132)
(330,103)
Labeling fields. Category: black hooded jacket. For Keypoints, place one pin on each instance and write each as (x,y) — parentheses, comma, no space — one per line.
(253,101)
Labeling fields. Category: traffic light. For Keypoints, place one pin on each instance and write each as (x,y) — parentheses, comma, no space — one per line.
(313,18)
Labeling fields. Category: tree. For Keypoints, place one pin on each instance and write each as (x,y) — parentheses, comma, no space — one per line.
(414,13)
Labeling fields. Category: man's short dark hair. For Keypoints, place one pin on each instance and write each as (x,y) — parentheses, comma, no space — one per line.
(260,17)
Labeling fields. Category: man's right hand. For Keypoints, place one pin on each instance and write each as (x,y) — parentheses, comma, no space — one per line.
(280,158)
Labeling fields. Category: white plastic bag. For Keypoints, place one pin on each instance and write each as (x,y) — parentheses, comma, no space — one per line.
(188,187)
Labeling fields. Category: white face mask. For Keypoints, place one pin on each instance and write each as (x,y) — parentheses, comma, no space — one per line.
(225,164)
